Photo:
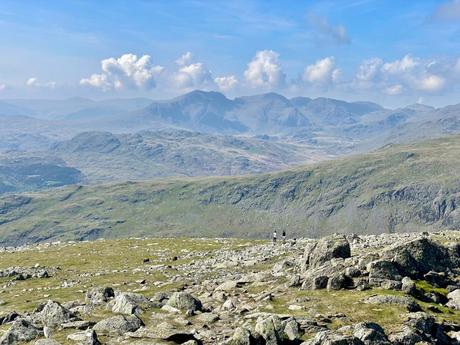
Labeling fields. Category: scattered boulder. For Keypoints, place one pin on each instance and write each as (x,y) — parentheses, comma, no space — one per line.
(418,257)
(99,295)
(328,248)
(184,301)
(119,324)
(338,281)
(85,338)
(21,331)
(405,301)
(241,336)
(454,299)
(54,314)
(408,286)
(331,338)
(370,333)
(128,303)
(382,270)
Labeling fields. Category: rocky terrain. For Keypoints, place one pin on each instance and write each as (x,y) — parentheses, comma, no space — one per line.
(401,188)
(385,289)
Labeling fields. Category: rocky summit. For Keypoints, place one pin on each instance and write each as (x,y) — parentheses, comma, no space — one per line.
(341,289)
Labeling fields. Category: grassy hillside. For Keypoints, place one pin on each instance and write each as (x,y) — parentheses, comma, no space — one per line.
(400,188)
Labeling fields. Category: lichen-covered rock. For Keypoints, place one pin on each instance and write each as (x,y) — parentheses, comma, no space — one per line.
(99,295)
(54,314)
(184,301)
(370,333)
(454,299)
(119,324)
(21,331)
(420,256)
(328,248)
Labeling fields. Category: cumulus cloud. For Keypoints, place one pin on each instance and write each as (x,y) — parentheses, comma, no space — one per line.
(322,72)
(185,59)
(431,83)
(191,74)
(34,82)
(127,71)
(338,34)
(264,70)
(226,83)
(448,11)
(406,64)
(405,75)
(369,69)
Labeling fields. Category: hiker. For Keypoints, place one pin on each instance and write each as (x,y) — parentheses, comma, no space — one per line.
(274,237)
(284,236)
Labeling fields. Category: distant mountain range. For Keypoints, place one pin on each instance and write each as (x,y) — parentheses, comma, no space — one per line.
(205,133)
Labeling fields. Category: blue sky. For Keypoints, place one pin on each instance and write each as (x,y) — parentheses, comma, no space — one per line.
(392,52)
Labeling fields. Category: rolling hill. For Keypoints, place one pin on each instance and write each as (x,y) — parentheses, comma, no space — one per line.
(395,189)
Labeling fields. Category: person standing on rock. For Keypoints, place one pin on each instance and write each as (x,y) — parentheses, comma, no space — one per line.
(274,237)
(284,236)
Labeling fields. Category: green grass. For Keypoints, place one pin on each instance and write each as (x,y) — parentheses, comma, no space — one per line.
(353,194)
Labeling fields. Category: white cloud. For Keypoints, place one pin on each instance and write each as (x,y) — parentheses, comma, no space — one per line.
(337,33)
(369,69)
(394,89)
(34,82)
(193,75)
(97,80)
(2,87)
(226,83)
(185,59)
(321,72)
(431,83)
(406,75)
(406,64)
(127,71)
(265,70)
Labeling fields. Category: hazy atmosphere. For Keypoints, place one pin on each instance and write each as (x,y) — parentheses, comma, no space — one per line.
(204,172)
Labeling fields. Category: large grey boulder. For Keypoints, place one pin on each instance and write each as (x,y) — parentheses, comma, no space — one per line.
(21,331)
(331,338)
(54,314)
(405,301)
(454,299)
(99,295)
(184,301)
(270,328)
(88,337)
(380,270)
(241,336)
(415,258)
(119,324)
(370,333)
(328,248)
(129,303)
